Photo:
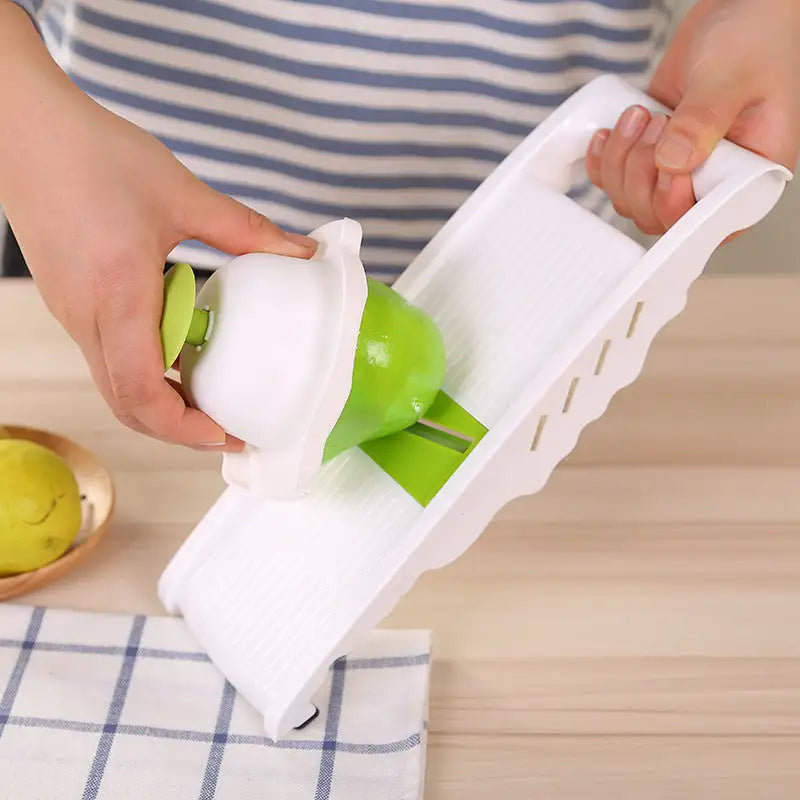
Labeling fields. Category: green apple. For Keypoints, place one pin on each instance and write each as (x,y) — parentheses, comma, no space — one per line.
(398,371)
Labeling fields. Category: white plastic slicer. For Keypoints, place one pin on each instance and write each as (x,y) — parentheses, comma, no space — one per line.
(545,312)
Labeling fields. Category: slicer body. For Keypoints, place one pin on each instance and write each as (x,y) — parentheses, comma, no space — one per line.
(546,312)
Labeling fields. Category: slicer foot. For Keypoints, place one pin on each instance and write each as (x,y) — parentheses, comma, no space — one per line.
(309,720)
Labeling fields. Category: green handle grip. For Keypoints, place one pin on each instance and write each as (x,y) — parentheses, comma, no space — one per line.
(181,322)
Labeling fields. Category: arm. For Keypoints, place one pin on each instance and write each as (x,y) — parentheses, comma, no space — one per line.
(97,204)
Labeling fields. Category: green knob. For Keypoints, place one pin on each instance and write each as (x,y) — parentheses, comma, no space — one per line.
(181,322)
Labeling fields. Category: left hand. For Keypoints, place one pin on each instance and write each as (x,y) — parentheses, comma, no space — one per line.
(732,71)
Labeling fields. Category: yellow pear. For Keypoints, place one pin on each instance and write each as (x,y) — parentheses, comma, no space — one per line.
(40,506)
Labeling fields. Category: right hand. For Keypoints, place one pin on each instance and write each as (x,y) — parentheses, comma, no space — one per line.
(97,204)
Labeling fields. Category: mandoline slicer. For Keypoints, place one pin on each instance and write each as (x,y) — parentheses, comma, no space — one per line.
(545,311)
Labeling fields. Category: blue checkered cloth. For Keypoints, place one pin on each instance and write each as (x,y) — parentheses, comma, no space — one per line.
(115,706)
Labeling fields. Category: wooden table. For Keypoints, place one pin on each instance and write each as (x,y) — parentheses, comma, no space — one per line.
(633,631)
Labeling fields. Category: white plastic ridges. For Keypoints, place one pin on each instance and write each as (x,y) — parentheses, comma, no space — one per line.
(512,290)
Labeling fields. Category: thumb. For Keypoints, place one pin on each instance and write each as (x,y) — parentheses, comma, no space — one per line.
(701,120)
(234,228)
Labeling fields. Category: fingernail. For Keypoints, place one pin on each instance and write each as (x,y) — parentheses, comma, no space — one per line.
(598,143)
(306,242)
(654,129)
(632,122)
(664,182)
(219,442)
(230,441)
(675,151)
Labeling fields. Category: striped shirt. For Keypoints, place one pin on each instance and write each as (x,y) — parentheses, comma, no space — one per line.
(387,111)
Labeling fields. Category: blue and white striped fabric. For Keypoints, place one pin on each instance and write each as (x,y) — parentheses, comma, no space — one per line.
(128,708)
(387,111)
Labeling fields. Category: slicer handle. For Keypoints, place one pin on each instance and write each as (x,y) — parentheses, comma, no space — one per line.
(600,103)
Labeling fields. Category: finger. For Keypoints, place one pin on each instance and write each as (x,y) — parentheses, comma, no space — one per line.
(93,355)
(231,443)
(672,198)
(628,129)
(641,175)
(128,332)
(733,236)
(594,157)
(148,399)
(701,120)
(232,227)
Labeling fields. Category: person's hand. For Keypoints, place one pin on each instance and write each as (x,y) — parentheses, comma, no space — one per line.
(732,71)
(97,204)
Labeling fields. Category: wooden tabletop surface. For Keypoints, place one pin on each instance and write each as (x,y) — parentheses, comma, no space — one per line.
(632,631)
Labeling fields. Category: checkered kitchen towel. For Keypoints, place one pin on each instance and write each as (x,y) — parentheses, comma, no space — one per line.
(112,706)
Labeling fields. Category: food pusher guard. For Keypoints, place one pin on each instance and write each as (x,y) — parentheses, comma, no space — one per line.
(546,312)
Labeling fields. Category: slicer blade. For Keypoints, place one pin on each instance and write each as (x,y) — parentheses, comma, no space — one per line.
(425,456)
(446,437)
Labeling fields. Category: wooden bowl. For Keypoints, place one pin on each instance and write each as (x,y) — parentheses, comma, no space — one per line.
(97,500)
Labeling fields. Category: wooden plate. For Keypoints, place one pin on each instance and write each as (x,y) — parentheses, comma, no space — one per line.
(97,491)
